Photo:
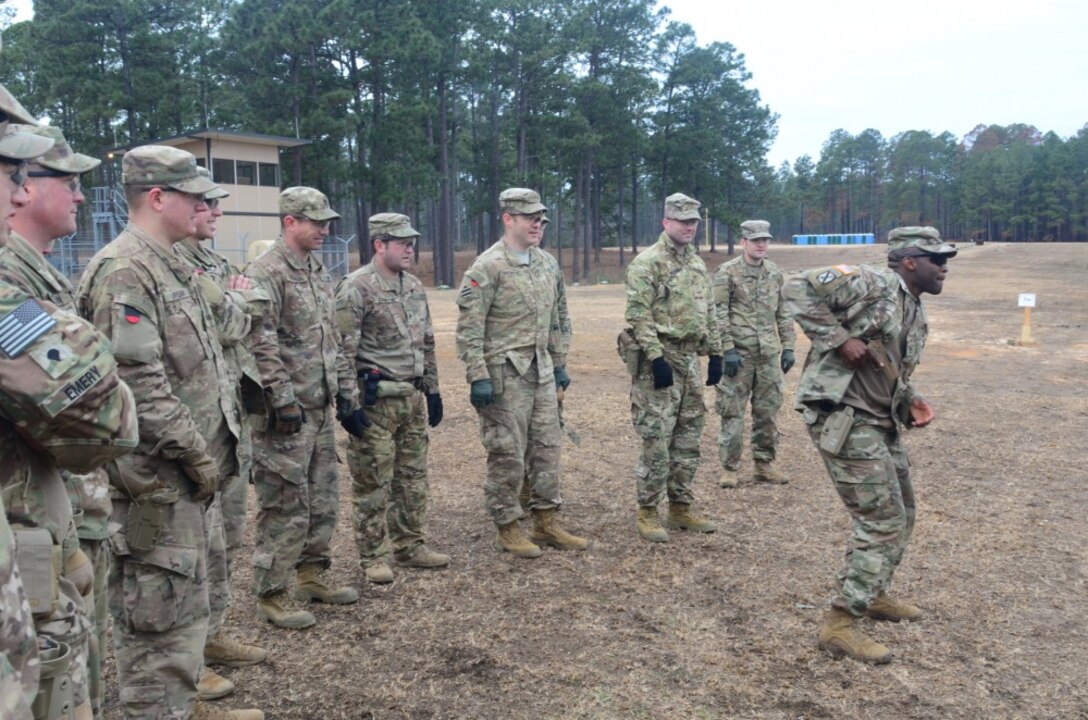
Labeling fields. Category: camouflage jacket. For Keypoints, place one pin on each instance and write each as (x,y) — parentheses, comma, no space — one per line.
(669,297)
(834,304)
(24,267)
(296,345)
(19,666)
(145,299)
(512,311)
(386,324)
(751,312)
(62,407)
(236,310)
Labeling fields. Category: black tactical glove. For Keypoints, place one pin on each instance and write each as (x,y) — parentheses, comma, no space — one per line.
(351,418)
(289,419)
(562,380)
(733,361)
(481,394)
(788,361)
(434,409)
(662,372)
(714,370)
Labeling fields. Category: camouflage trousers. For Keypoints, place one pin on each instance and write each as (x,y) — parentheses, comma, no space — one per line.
(521,434)
(296,482)
(389,476)
(19,666)
(159,603)
(98,608)
(872,476)
(670,423)
(221,515)
(760,380)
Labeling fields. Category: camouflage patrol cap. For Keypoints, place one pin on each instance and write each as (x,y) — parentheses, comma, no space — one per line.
(13,109)
(679,206)
(216,193)
(391,224)
(163,166)
(306,201)
(755,230)
(17,145)
(521,201)
(60,158)
(924,239)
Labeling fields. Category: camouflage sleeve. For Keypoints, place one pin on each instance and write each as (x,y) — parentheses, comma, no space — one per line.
(560,335)
(231,319)
(641,289)
(120,301)
(713,334)
(430,357)
(349,316)
(474,300)
(62,390)
(19,666)
(347,383)
(818,299)
(723,294)
(786,334)
(265,345)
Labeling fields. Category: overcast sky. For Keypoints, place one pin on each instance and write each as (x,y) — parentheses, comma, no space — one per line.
(922,65)
(892,65)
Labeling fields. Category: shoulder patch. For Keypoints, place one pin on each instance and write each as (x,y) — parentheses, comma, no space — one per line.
(22,326)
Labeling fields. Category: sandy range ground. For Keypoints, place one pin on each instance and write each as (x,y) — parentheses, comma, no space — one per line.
(724,625)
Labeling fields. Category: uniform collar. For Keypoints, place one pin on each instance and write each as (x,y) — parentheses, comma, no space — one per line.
(181,269)
(311,264)
(21,248)
(679,253)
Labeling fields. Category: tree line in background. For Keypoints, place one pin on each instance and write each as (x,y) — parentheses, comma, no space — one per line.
(431,107)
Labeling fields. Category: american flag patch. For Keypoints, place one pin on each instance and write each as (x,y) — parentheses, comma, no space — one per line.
(22,326)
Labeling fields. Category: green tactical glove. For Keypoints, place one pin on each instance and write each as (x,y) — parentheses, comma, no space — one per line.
(289,419)
(788,361)
(481,394)
(733,361)
(562,380)
(205,473)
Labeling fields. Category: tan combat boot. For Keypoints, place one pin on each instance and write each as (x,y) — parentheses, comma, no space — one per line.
(547,530)
(278,609)
(311,585)
(729,478)
(840,637)
(765,473)
(206,712)
(681,517)
(511,539)
(649,525)
(213,686)
(422,556)
(228,652)
(378,571)
(885,608)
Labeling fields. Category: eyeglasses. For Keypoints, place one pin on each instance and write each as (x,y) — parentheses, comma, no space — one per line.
(18,179)
(685,223)
(73,182)
(212,204)
(196,198)
(320,223)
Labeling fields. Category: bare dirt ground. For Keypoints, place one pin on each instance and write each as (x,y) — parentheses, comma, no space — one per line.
(724,625)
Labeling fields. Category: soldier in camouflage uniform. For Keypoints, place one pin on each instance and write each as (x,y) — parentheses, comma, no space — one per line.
(670,310)
(756,329)
(59,386)
(308,383)
(868,327)
(163,330)
(239,304)
(513,335)
(53,189)
(386,326)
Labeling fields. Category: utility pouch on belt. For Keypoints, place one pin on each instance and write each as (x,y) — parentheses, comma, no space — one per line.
(392,388)
(836,429)
(40,569)
(370,379)
(146,517)
(629,351)
(54,699)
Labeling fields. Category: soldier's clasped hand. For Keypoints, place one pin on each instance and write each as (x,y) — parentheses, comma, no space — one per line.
(289,419)
(856,353)
(481,394)
(733,362)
